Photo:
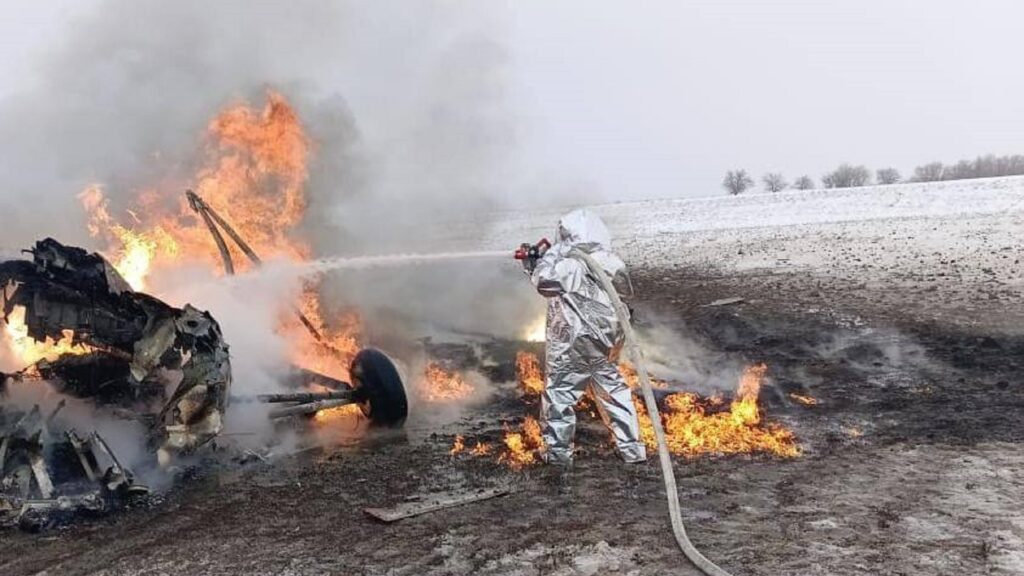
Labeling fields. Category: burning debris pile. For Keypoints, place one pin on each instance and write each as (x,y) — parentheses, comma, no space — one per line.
(249,186)
(79,326)
(253,176)
(80,329)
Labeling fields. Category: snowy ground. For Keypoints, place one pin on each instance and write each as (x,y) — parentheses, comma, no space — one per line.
(959,238)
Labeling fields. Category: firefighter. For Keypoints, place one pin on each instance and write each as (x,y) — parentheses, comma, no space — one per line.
(583,340)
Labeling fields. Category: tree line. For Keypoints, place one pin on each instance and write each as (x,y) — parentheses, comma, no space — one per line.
(850,176)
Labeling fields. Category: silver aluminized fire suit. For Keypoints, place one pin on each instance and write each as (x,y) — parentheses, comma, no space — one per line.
(583,340)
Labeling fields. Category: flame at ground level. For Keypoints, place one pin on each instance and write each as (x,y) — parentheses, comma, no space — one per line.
(692,427)
(805,400)
(632,378)
(481,449)
(337,413)
(695,425)
(440,385)
(458,446)
(522,446)
(529,373)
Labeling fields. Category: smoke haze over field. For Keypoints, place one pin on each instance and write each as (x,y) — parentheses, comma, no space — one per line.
(583,100)
(121,95)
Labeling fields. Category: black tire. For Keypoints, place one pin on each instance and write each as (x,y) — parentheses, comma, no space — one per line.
(374,375)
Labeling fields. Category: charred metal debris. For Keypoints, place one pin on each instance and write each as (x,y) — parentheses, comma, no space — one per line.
(48,475)
(134,357)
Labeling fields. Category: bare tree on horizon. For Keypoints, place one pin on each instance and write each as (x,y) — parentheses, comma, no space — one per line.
(847,176)
(737,181)
(931,172)
(774,182)
(887,176)
(804,183)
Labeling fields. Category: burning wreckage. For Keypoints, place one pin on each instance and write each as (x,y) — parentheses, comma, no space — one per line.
(132,356)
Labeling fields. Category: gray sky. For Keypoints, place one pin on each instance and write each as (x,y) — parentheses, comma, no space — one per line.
(620,100)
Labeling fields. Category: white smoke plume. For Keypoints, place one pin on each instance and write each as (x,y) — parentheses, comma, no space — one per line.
(406,105)
(672,354)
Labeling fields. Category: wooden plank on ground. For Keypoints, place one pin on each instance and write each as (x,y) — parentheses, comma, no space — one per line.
(726,302)
(434,503)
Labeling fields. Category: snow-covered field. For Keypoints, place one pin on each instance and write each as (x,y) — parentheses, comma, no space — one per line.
(951,199)
(956,241)
(926,216)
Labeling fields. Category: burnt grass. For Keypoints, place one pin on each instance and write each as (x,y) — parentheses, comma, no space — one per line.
(907,407)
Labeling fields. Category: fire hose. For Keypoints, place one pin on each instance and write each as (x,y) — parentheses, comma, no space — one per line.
(672,494)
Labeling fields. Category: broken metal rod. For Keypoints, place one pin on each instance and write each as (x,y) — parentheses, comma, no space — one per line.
(198,203)
(222,246)
(3,451)
(204,210)
(306,397)
(60,406)
(301,377)
(308,408)
(85,456)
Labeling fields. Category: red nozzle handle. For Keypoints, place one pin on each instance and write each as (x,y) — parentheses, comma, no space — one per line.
(536,251)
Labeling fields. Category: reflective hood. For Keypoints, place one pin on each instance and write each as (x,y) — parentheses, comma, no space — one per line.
(584,230)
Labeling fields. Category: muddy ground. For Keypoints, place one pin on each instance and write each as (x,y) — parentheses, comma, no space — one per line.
(911,464)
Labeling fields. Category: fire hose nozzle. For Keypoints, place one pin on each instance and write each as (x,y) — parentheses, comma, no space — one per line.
(532,251)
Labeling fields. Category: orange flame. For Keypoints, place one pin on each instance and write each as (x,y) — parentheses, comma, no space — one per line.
(254,177)
(478,450)
(458,446)
(133,252)
(629,373)
(441,385)
(805,400)
(693,425)
(337,413)
(29,350)
(338,343)
(522,447)
(691,430)
(529,374)
(481,449)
